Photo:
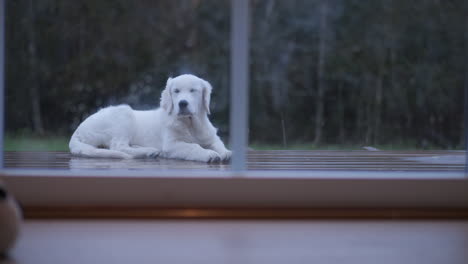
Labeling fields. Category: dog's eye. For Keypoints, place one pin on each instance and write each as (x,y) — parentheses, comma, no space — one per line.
(192,90)
(176,91)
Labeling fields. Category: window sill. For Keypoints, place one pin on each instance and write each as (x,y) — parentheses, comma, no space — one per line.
(227,189)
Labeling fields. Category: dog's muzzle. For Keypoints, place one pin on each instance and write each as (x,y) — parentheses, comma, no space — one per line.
(183,108)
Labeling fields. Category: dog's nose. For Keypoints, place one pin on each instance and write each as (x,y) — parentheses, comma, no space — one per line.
(183,104)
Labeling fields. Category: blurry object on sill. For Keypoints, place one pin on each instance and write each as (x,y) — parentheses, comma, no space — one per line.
(10,219)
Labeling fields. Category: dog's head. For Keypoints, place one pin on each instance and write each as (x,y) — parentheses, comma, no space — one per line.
(186,95)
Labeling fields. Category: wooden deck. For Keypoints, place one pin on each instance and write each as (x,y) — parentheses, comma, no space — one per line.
(260,160)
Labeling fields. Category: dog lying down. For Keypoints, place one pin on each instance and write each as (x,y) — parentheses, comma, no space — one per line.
(179,129)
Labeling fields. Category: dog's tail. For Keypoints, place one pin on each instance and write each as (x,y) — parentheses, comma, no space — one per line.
(86,150)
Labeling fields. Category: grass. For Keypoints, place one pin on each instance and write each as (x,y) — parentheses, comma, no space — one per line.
(35,143)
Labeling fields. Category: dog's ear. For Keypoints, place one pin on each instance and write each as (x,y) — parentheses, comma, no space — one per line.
(206,95)
(166,97)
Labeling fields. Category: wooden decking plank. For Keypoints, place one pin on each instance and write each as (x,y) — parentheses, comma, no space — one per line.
(260,160)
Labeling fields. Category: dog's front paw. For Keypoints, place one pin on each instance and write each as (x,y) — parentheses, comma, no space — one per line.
(226,155)
(153,154)
(146,153)
(212,156)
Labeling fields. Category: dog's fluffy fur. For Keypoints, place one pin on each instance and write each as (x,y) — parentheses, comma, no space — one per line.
(179,129)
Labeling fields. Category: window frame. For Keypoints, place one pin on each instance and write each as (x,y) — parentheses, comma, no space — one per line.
(238,187)
(238,190)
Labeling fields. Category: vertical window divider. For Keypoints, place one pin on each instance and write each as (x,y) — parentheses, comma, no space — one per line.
(2,80)
(240,18)
(466,113)
(466,95)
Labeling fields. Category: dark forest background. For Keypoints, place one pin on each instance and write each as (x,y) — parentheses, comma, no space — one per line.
(337,72)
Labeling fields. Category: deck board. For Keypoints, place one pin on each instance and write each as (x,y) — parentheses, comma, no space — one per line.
(259,160)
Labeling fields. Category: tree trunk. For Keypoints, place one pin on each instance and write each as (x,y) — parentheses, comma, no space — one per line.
(378,106)
(33,85)
(359,104)
(283,129)
(341,115)
(369,109)
(320,104)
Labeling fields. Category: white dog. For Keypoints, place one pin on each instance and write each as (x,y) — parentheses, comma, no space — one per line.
(179,129)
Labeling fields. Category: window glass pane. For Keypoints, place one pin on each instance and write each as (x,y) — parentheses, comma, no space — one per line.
(373,85)
(68,59)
